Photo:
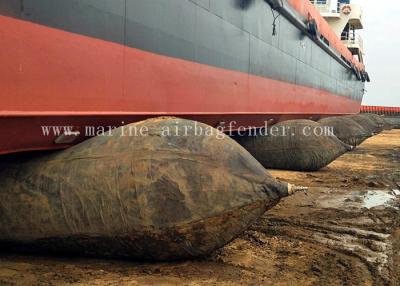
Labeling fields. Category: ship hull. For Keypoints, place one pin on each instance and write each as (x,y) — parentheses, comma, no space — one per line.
(99,65)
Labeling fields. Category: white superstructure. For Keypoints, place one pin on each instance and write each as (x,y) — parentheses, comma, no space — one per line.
(346,19)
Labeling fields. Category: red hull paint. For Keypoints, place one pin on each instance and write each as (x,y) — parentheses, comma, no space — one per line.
(382,110)
(52,77)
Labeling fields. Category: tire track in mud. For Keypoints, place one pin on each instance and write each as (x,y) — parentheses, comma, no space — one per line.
(356,232)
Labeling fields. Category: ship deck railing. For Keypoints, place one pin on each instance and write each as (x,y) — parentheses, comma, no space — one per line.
(353,40)
(324,6)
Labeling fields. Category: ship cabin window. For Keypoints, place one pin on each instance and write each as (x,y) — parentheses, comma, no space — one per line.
(319,2)
(349,33)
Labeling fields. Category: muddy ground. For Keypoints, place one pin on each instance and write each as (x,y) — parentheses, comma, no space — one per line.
(346,231)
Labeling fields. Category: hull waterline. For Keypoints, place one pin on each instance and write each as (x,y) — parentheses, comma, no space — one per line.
(60,75)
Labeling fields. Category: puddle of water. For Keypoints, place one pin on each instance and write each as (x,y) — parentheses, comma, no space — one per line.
(378,198)
(360,199)
(396,192)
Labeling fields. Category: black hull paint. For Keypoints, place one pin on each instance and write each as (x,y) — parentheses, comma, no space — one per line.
(214,32)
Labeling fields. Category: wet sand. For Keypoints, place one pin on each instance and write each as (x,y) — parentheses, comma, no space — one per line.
(345,231)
